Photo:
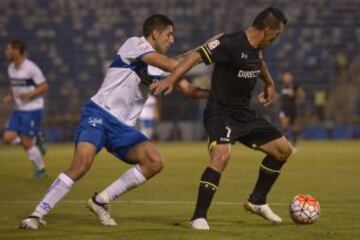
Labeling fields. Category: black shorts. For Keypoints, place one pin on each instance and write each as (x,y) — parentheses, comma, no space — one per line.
(291,114)
(222,129)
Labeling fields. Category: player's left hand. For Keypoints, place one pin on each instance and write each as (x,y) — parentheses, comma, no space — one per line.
(161,86)
(267,96)
(25,96)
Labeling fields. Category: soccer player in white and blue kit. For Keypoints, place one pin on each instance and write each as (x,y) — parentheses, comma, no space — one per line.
(108,118)
(27,87)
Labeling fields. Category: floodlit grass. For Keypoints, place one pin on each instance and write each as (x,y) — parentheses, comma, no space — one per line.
(161,208)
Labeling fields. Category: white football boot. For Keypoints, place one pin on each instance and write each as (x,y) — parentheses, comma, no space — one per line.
(199,224)
(32,222)
(263,210)
(101,210)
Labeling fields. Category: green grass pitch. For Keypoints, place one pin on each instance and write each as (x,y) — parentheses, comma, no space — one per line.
(161,208)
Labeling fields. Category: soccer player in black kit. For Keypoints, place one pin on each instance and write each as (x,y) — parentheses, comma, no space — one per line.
(228,117)
(290,93)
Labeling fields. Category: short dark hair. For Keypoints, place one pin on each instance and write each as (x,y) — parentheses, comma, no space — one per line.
(269,17)
(18,44)
(154,22)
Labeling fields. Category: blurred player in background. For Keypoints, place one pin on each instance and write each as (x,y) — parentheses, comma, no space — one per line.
(27,87)
(108,118)
(290,94)
(149,116)
(228,117)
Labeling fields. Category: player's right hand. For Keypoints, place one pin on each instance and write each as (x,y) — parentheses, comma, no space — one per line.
(159,87)
(7,99)
(267,96)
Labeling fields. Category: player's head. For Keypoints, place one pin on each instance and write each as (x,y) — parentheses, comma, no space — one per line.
(271,21)
(287,78)
(14,49)
(159,29)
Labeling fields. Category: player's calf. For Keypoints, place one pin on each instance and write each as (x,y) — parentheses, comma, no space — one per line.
(82,162)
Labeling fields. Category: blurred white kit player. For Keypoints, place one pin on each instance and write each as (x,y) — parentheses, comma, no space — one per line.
(27,86)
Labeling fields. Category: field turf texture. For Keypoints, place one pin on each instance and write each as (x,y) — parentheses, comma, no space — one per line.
(161,208)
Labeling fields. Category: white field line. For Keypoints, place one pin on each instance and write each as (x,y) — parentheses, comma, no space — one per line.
(150,202)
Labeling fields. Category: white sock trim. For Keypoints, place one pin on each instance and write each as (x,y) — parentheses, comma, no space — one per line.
(16,140)
(139,174)
(66,179)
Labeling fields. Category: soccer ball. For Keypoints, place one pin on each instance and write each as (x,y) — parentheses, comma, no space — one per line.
(304,209)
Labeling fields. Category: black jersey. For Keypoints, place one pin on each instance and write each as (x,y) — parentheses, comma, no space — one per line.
(288,95)
(237,66)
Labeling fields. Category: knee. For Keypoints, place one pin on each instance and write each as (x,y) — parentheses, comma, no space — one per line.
(7,140)
(220,160)
(154,164)
(284,153)
(223,158)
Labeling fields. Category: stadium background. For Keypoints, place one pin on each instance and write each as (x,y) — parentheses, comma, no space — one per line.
(73,40)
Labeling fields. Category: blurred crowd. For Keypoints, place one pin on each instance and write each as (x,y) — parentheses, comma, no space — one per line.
(71,40)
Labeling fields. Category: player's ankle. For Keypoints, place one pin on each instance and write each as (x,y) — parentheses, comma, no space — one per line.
(257,200)
(37,214)
(102,197)
(197,216)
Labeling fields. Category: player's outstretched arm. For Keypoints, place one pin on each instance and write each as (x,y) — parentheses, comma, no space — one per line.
(161,61)
(189,60)
(183,67)
(182,56)
(192,91)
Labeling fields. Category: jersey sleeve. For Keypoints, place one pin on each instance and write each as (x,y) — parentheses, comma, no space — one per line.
(217,50)
(134,48)
(37,75)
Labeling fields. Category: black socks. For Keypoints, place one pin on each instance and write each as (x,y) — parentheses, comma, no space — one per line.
(208,186)
(269,172)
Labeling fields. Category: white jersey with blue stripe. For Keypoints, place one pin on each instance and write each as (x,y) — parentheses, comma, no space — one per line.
(23,80)
(126,84)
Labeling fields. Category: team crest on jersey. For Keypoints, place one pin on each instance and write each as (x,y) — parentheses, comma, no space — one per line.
(213,44)
(93,121)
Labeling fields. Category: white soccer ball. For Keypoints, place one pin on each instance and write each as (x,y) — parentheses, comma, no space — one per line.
(304,209)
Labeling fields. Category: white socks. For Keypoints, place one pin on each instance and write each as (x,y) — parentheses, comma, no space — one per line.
(34,156)
(60,187)
(129,180)
(16,141)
